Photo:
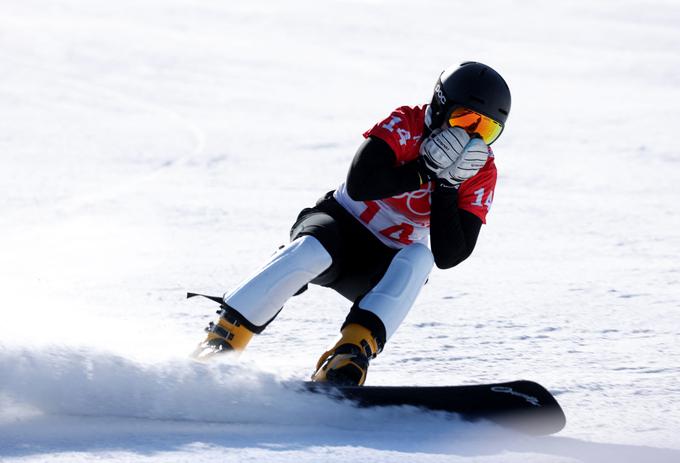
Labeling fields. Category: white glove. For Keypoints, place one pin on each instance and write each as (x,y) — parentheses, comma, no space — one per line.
(473,158)
(443,148)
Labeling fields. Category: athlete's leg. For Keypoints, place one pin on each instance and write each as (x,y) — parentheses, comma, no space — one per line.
(375,317)
(392,298)
(254,303)
(313,254)
(260,297)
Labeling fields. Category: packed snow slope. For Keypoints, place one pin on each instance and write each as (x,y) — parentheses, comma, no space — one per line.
(152,147)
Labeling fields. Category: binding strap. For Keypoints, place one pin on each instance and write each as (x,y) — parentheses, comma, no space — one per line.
(232,314)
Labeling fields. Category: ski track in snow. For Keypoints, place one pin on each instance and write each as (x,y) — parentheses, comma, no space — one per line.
(152,147)
(60,78)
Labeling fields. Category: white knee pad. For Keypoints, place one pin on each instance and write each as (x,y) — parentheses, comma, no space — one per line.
(260,297)
(393,296)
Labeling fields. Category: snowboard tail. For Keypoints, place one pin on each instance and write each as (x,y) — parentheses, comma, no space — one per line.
(522,405)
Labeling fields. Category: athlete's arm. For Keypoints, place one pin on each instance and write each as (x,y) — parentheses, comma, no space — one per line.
(453,231)
(373,174)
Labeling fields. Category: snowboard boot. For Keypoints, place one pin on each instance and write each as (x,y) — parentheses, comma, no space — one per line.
(227,335)
(346,363)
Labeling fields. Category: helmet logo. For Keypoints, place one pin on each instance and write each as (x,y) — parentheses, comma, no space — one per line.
(440,94)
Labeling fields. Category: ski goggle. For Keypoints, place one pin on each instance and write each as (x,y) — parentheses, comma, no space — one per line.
(474,123)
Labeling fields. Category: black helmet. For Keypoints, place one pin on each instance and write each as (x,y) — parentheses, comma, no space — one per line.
(473,85)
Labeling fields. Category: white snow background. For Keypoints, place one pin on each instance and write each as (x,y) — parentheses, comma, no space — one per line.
(152,147)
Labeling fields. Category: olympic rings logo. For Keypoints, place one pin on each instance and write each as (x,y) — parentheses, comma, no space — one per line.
(417,202)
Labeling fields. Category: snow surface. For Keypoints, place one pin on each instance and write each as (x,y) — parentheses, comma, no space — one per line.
(152,147)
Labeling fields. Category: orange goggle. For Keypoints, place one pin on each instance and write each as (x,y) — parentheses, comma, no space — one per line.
(473,122)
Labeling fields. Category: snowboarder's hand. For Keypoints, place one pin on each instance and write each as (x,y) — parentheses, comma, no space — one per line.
(473,158)
(442,149)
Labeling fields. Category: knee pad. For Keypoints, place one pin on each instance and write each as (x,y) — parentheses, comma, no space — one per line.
(259,298)
(325,229)
(392,298)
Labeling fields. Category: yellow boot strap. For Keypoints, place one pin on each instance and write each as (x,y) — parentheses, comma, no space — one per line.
(357,335)
(237,335)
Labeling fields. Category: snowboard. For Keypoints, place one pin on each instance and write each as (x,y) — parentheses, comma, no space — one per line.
(524,406)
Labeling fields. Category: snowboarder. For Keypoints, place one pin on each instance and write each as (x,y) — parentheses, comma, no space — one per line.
(424,171)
